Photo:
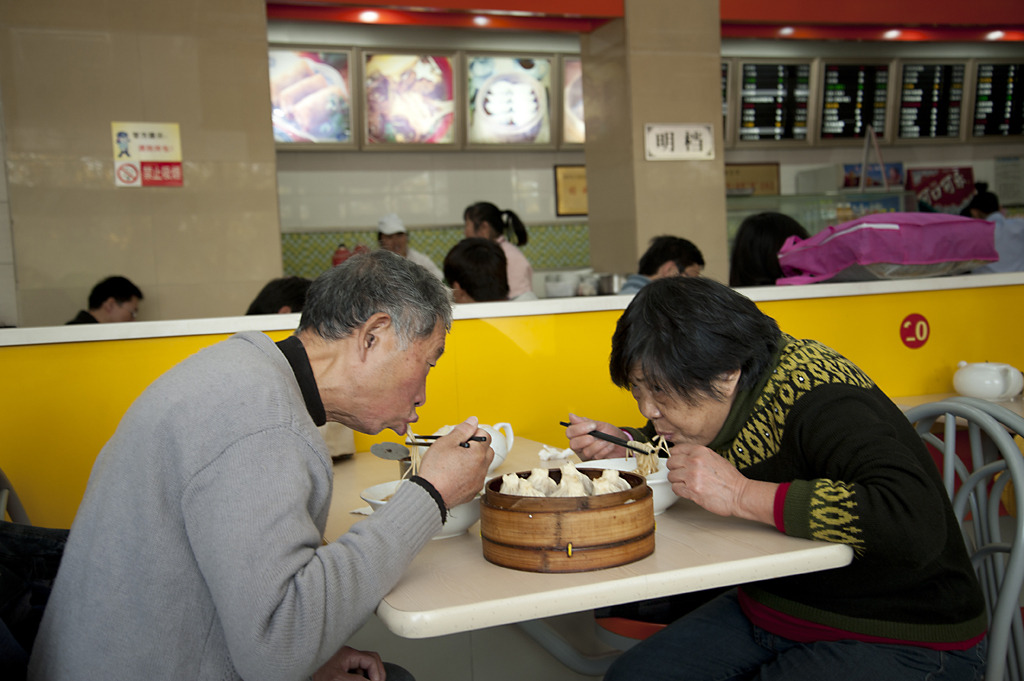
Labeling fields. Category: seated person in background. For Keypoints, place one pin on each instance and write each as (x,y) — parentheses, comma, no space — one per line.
(1009,232)
(392,236)
(476,271)
(755,251)
(487,221)
(115,299)
(667,256)
(198,551)
(281,296)
(789,433)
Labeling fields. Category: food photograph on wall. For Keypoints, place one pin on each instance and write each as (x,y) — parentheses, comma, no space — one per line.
(409,99)
(573,128)
(310,97)
(509,100)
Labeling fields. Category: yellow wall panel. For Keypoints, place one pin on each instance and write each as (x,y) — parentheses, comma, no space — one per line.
(64,400)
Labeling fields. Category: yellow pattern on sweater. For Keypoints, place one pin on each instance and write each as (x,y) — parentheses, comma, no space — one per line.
(803,366)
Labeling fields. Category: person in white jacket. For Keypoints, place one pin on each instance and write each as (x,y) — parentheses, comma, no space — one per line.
(392,236)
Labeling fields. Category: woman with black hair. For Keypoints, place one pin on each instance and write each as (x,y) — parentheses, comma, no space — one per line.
(790,433)
(755,251)
(487,221)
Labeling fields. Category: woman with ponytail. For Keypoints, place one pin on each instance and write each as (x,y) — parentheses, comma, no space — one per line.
(485,220)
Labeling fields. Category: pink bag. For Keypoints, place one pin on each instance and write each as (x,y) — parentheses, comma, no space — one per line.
(889,246)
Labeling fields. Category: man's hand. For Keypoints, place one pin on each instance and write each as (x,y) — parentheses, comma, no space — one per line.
(587,446)
(458,472)
(348,664)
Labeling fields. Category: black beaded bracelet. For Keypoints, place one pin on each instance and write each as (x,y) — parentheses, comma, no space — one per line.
(432,491)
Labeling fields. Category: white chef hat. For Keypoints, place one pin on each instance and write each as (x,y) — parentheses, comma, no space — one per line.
(390,224)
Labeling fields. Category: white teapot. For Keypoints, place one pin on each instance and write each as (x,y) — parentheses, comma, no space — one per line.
(502,438)
(988,380)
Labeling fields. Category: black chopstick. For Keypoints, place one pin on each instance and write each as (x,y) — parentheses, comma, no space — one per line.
(614,440)
(420,440)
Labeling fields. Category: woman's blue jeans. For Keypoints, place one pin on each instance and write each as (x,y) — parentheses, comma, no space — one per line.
(717,642)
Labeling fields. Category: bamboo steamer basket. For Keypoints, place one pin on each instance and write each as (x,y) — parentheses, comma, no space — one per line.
(567,534)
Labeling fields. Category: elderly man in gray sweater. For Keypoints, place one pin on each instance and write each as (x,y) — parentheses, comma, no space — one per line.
(197,551)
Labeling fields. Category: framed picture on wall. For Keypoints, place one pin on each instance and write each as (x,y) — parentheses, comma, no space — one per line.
(571,190)
(310,92)
(573,127)
(408,100)
(508,101)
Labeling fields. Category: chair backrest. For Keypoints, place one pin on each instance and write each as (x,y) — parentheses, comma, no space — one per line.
(975,481)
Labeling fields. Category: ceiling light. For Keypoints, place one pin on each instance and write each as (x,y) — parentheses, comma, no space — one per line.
(369,16)
(481,21)
(786,30)
(994,35)
(891,34)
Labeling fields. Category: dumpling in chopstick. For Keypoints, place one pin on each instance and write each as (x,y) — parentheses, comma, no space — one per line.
(574,483)
(610,481)
(542,482)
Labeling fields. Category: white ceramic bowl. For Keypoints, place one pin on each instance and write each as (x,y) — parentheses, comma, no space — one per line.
(460,518)
(658,482)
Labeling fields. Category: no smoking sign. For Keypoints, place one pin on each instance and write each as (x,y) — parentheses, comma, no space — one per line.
(914,330)
(126,174)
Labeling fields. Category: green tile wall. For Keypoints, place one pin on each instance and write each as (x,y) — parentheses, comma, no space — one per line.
(559,246)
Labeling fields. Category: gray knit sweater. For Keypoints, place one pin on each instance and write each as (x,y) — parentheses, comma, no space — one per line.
(196,552)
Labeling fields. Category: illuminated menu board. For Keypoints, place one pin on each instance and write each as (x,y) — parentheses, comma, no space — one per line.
(773,101)
(930,100)
(725,89)
(854,97)
(999,100)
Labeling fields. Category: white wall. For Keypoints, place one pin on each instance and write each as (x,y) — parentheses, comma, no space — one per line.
(348,190)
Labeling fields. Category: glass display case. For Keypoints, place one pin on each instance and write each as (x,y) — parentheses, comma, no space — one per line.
(817,211)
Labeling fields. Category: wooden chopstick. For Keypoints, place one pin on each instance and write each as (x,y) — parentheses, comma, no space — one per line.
(622,442)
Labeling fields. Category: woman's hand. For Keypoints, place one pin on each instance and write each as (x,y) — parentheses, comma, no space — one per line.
(703,476)
(587,446)
(349,664)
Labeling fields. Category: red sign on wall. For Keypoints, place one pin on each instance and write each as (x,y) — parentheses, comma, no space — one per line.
(914,330)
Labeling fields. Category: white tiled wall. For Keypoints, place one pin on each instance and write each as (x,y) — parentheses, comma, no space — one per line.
(352,191)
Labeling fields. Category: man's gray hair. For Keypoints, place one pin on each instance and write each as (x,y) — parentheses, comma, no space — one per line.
(344,297)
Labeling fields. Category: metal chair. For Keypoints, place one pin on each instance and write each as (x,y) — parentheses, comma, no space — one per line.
(975,484)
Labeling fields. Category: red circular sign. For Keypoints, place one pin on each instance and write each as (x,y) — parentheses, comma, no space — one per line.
(127,173)
(914,330)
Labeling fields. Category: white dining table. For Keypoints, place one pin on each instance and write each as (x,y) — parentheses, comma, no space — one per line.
(449,587)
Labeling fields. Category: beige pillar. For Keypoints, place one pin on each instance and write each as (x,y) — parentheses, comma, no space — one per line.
(68,69)
(660,64)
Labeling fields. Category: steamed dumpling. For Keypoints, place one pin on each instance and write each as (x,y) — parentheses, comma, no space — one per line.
(512,484)
(542,482)
(610,481)
(574,483)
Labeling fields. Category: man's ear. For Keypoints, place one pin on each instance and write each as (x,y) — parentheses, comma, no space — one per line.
(369,333)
